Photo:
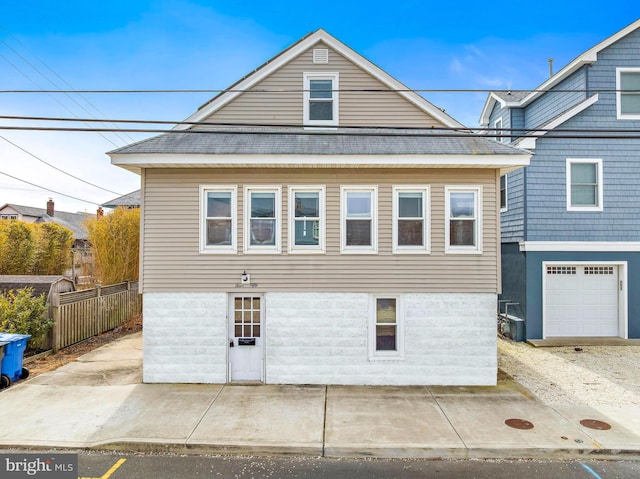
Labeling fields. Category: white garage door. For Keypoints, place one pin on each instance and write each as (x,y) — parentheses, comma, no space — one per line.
(581,300)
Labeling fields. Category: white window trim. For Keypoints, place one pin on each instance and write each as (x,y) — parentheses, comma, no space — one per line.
(262,249)
(619,113)
(219,249)
(335,78)
(344,249)
(497,131)
(397,355)
(307,249)
(426,216)
(477,190)
(504,208)
(598,162)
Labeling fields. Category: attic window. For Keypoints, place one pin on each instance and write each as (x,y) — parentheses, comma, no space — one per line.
(320,107)
(320,55)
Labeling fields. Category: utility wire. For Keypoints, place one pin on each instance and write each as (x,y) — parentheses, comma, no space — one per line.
(515,131)
(353,90)
(49,189)
(58,169)
(635,134)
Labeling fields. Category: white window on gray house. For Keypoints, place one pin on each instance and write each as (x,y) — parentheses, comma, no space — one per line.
(503,193)
(386,335)
(584,184)
(306,219)
(262,219)
(410,219)
(320,99)
(359,217)
(497,130)
(218,223)
(463,229)
(628,93)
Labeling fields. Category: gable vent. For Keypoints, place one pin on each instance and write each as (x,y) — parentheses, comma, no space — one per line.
(320,55)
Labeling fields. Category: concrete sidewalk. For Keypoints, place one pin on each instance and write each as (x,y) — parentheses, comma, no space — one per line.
(99,402)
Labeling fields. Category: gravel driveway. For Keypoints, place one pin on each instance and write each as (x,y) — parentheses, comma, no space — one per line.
(589,376)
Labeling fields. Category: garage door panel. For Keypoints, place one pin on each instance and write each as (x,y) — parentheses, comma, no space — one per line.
(581,300)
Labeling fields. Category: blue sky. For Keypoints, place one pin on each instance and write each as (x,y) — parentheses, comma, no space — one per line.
(197,44)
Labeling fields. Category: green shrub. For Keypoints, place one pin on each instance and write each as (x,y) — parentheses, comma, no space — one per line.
(23,313)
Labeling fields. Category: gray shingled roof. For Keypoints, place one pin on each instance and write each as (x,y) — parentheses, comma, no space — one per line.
(272,141)
(511,96)
(72,221)
(130,200)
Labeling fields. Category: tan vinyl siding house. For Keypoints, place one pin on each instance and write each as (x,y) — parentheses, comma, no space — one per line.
(320,223)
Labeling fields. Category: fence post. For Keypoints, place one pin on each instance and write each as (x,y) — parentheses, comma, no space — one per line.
(56,322)
(97,322)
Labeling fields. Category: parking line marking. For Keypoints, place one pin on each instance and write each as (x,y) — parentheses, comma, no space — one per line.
(590,470)
(107,474)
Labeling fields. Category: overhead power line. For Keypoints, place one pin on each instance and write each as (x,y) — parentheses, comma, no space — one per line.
(344,130)
(301,90)
(58,169)
(49,189)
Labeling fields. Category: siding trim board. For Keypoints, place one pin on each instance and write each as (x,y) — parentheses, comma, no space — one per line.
(581,246)
(136,162)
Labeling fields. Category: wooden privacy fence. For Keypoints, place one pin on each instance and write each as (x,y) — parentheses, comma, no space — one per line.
(80,315)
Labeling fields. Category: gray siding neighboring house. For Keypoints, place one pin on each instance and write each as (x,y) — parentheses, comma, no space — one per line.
(29,214)
(570,232)
(334,236)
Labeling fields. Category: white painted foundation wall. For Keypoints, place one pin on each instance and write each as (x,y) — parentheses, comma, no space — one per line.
(322,338)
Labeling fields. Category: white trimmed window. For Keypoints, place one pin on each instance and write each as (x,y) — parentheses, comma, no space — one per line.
(497,130)
(359,219)
(218,230)
(584,184)
(320,107)
(628,93)
(386,328)
(463,229)
(411,219)
(306,219)
(262,219)
(503,193)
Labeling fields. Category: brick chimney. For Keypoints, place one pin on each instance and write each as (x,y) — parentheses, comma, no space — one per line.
(50,209)
(100,213)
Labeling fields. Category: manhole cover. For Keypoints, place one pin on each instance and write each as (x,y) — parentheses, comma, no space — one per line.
(519,424)
(595,424)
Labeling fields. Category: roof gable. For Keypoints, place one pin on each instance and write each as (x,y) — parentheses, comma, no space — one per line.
(585,58)
(303,45)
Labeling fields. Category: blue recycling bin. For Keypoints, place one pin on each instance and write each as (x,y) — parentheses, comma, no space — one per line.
(14,347)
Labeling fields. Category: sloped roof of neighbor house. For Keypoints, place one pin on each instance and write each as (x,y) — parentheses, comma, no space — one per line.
(130,200)
(72,221)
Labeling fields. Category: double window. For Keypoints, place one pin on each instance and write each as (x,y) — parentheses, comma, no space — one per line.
(628,93)
(584,184)
(463,231)
(306,219)
(320,106)
(410,219)
(262,215)
(359,219)
(386,335)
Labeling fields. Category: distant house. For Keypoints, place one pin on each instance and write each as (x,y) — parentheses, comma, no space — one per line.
(350,236)
(29,214)
(130,200)
(570,231)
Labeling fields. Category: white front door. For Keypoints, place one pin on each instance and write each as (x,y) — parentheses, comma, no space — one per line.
(582,300)
(246,345)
